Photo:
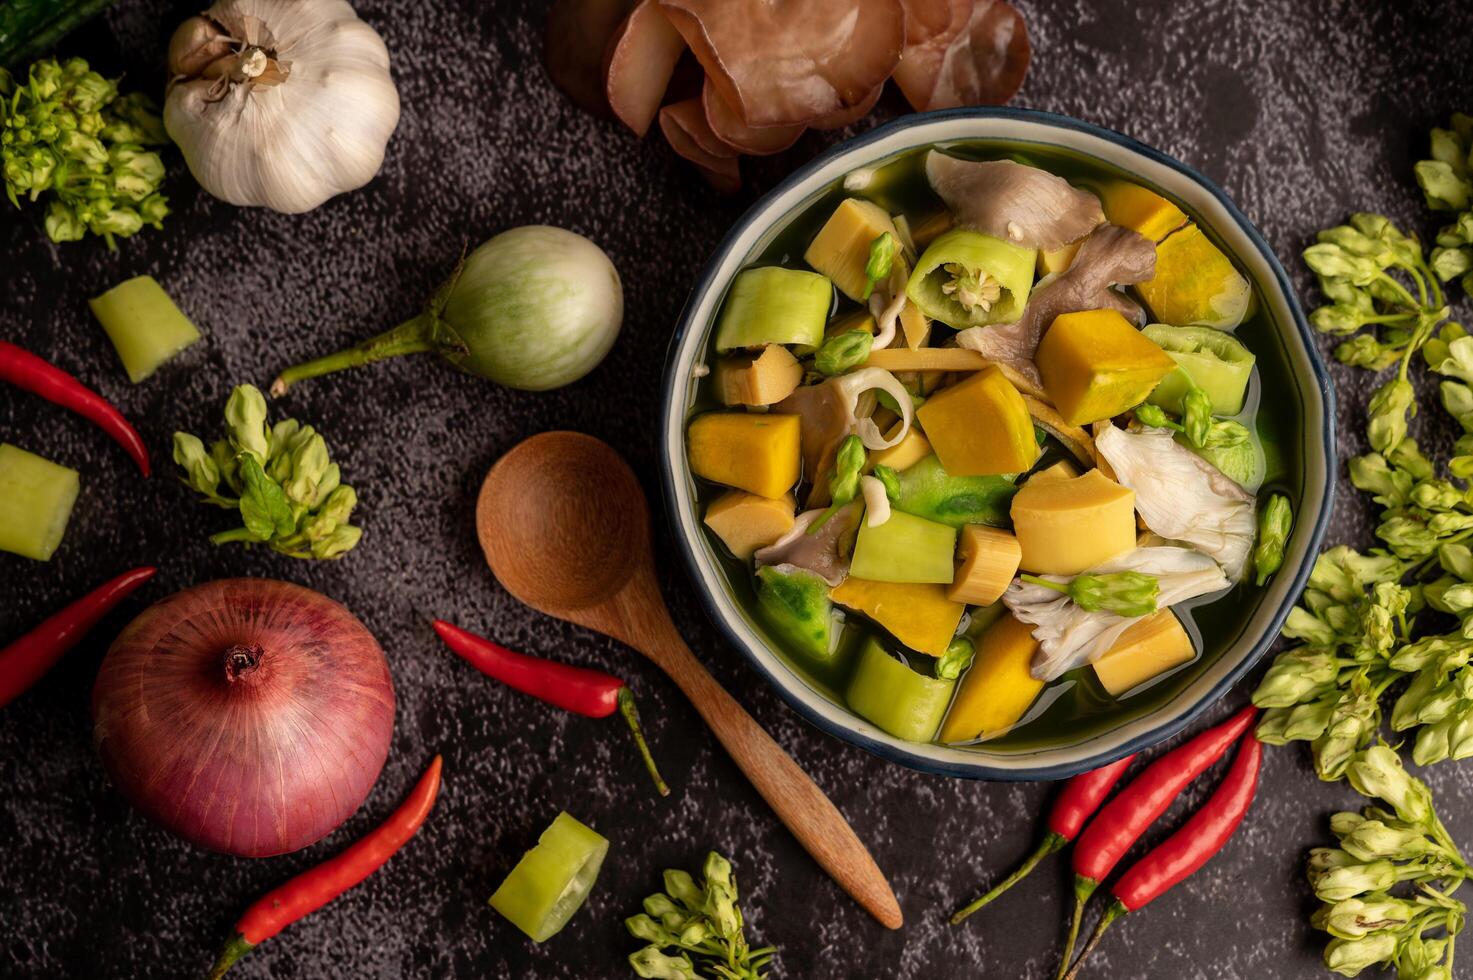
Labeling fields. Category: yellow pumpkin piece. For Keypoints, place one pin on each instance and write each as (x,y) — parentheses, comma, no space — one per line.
(914,325)
(1068,526)
(989,560)
(905,453)
(1195,283)
(1062,470)
(762,380)
(999,687)
(857,320)
(918,615)
(1056,260)
(745,522)
(749,451)
(840,250)
(1095,365)
(981,427)
(1148,648)
(1141,210)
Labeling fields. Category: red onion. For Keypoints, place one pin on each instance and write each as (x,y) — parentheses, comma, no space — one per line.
(247,716)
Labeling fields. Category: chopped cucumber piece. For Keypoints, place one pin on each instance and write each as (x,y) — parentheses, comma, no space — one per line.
(553,879)
(144,325)
(905,548)
(901,701)
(1214,361)
(36,498)
(773,305)
(927,490)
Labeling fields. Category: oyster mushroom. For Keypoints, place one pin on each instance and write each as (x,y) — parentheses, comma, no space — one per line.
(825,552)
(1017,203)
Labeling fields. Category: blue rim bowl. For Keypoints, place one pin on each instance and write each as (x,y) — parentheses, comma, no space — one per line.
(1207,202)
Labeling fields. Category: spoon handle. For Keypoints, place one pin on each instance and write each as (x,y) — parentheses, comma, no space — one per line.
(791,792)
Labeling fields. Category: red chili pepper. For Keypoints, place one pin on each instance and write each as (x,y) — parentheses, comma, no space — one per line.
(1080,798)
(25,370)
(1184,852)
(312,889)
(590,693)
(1123,820)
(27,660)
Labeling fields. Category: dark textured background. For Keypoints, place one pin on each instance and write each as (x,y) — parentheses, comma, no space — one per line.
(1302,110)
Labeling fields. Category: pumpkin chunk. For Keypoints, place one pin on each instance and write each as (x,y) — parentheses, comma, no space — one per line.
(757,453)
(981,427)
(905,453)
(917,614)
(996,692)
(1195,283)
(1143,211)
(1095,365)
(745,522)
(989,560)
(1065,527)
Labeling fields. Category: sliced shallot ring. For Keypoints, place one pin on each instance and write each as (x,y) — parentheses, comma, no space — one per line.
(578,33)
(641,58)
(853,384)
(723,120)
(850,116)
(1079,443)
(789,62)
(876,503)
(721,173)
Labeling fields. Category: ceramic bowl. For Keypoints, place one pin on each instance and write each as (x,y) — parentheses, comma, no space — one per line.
(1294,387)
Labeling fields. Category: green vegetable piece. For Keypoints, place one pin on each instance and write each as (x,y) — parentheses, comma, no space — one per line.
(1196,420)
(890,479)
(1212,360)
(263,507)
(848,462)
(245,415)
(701,918)
(957,659)
(773,305)
(1275,520)
(36,498)
(144,325)
(888,693)
(905,548)
(1231,448)
(967,279)
(552,880)
(795,604)
(1128,594)
(881,257)
(843,353)
(927,490)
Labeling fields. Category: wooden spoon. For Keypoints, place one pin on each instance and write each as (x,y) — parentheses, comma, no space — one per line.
(565,528)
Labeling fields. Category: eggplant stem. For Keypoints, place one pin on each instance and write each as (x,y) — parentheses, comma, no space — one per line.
(233,950)
(417,336)
(1115,911)
(630,711)
(1050,845)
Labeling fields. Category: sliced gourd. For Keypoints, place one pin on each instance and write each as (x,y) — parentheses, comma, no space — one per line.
(840,250)
(998,689)
(1214,361)
(905,548)
(989,560)
(765,379)
(901,701)
(144,325)
(919,616)
(36,498)
(773,305)
(754,452)
(745,522)
(1147,649)
(1095,365)
(981,426)
(1195,283)
(795,604)
(1065,527)
(927,490)
(1141,210)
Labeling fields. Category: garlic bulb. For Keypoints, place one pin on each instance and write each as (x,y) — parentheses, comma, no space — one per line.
(280,103)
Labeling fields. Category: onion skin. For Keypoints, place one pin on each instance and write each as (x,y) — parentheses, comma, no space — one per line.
(248,716)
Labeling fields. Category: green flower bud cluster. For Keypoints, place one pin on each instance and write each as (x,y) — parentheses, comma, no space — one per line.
(1447,183)
(66,133)
(1226,444)
(843,352)
(1381,848)
(280,478)
(701,920)
(1128,594)
(849,463)
(1358,265)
